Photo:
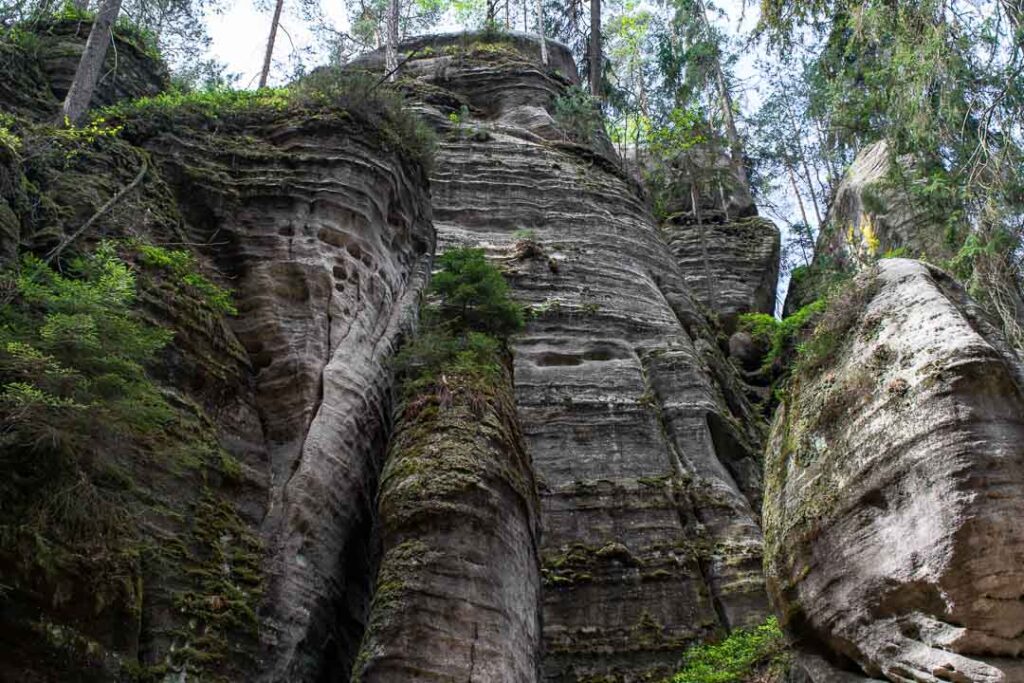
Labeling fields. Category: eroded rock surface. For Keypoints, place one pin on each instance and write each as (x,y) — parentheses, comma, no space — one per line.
(458,592)
(728,255)
(644,448)
(328,241)
(730,265)
(872,214)
(895,487)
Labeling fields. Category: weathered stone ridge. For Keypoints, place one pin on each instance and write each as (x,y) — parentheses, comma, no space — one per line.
(895,487)
(643,458)
(458,592)
(328,242)
(873,213)
(728,255)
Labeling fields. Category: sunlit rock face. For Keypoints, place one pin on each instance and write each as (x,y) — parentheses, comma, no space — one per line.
(895,488)
(643,447)
(872,214)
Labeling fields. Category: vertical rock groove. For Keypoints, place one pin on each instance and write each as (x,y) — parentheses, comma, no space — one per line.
(329,240)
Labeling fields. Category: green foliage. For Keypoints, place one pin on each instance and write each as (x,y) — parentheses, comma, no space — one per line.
(8,138)
(73,140)
(742,655)
(181,265)
(355,94)
(941,82)
(678,150)
(212,104)
(463,333)
(77,342)
(577,114)
(79,412)
(474,294)
(780,336)
(72,377)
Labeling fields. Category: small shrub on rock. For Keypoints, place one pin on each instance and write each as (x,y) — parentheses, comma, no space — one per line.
(464,332)
(746,653)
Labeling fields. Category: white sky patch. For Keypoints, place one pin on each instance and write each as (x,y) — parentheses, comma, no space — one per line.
(239,37)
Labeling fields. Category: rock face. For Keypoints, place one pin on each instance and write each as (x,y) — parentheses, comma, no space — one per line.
(458,590)
(730,265)
(129,71)
(728,255)
(895,486)
(328,241)
(254,553)
(591,518)
(872,214)
(643,446)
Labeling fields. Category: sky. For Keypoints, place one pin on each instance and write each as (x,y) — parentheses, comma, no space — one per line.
(239,36)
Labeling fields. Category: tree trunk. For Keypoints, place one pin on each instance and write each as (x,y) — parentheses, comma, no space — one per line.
(265,73)
(803,163)
(88,73)
(595,49)
(695,200)
(391,44)
(1015,13)
(540,32)
(799,199)
(725,102)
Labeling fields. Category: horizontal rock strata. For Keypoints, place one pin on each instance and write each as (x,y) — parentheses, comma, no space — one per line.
(730,265)
(643,458)
(327,240)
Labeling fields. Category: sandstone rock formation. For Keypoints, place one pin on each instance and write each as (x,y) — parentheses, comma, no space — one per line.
(324,234)
(328,242)
(895,486)
(458,589)
(730,265)
(643,446)
(872,214)
(728,255)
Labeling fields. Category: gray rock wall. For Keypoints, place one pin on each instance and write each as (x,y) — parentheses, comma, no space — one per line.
(327,240)
(458,592)
(646,474)
(895,487)
(730,265)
